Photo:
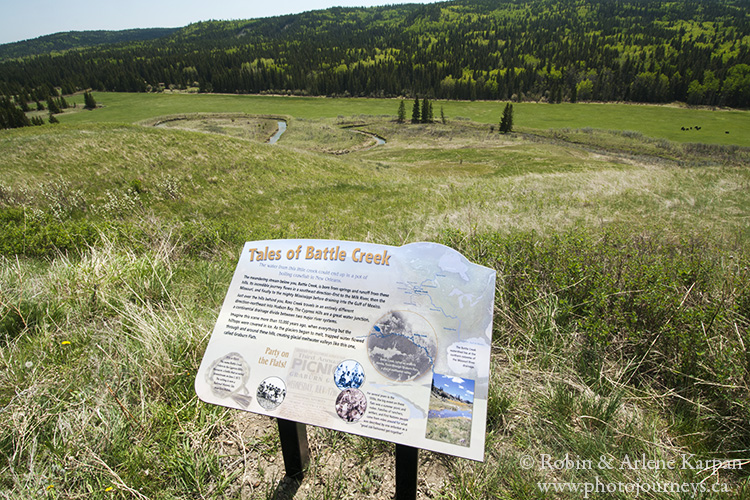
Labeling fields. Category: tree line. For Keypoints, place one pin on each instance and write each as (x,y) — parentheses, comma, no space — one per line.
(13,112)
(539,50)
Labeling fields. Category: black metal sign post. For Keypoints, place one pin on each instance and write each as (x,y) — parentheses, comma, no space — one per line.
(293,437)
(407,464)
(294,448)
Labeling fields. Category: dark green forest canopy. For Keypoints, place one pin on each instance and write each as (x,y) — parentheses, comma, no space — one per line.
(542,50)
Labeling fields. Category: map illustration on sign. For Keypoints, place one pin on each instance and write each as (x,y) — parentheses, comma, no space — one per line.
(386,342)
(402,346)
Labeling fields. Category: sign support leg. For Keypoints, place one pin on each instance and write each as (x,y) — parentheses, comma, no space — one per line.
(293,436)
(407,465)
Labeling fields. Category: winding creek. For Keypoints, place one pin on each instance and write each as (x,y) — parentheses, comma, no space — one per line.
(379,141)
(275,137)
(282,127)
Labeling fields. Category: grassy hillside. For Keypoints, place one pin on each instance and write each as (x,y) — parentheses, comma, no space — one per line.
(621,316)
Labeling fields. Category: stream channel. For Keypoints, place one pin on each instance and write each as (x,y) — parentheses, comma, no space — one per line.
(379,141)
(275,137)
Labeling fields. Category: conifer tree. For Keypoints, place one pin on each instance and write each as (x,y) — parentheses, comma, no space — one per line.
(425,111)
(52,106)
(506,122)
(415,116)
(442,115)
(11,116)
(401,112)
(88,101)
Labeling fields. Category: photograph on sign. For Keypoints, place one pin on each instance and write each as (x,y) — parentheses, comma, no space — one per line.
(386,342)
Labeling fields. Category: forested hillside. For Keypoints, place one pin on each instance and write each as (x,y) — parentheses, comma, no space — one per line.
(78,39)
(541,50)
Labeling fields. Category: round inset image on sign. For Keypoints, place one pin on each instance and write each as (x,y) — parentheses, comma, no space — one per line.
(351,405)
(271,393)
(228,375)
(402,346)
(349,375)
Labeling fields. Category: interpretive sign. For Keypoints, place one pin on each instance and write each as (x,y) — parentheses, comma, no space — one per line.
(386,342)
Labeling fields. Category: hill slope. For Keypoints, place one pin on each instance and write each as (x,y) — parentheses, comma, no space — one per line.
(621,313)
(642,51)
(59,42)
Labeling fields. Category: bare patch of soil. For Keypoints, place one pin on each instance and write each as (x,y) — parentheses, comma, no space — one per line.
(341,465)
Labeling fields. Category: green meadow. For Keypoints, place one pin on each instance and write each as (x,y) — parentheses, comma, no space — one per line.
(652,121)
(622,308)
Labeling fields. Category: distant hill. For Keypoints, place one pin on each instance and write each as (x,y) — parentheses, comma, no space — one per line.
(59,42)
(697,51)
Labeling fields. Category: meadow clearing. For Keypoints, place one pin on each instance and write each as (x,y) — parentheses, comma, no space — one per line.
(621,314)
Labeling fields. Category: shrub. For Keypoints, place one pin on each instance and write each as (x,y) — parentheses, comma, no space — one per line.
(666,314)
(36,234)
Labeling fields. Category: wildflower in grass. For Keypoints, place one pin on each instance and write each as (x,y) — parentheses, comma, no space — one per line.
(50,486)
(29,364)
(108,488)
(65,342)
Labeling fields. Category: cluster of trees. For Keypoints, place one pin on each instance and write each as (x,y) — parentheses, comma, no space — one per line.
(424,115)
(420,113)
(55,106)
(88,101)
(13,111)
(545,50)
(11,116)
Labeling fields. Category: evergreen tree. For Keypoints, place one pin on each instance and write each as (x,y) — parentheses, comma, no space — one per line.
(506,122)
(89,101)
(11,116)
(442,115)
(415,116)
(425,111)
(40,106)
(52,106)
(401,112)
(53,119)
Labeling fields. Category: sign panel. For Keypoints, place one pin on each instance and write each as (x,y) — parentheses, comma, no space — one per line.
(386,342)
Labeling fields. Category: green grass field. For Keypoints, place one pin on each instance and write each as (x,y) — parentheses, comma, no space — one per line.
(622,309)
(653,121)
